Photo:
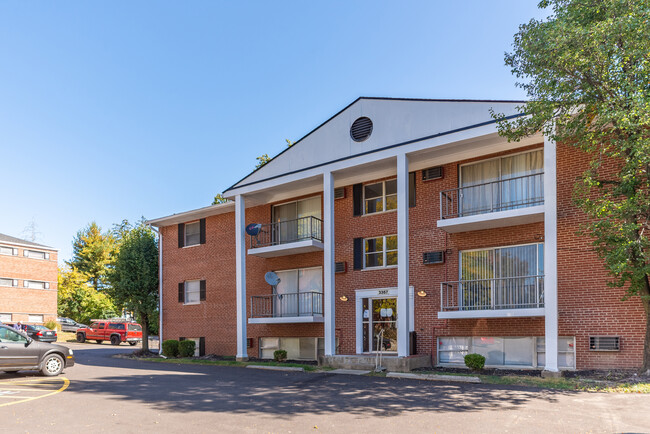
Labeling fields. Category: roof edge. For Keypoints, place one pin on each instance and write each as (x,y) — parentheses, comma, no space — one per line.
(206,211)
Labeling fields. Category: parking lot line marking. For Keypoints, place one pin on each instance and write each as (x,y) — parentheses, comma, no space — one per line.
(65,385)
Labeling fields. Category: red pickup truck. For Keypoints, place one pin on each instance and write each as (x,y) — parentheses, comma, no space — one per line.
(115,331)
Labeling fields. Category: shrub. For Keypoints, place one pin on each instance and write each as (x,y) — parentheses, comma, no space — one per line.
(52,325)
(475,362)
(280,355)
(170,348)
(186,348)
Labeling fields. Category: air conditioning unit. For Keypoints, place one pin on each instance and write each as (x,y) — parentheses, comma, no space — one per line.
(437,257)
(340,267)
(604,343)
(339,193)
(432,173)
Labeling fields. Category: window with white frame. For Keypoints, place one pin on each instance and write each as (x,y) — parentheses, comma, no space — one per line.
(192,292)
(5,317)
(36,284)
(11,251)
(192,234)
(380,196)
(35,254)
(4,281)
(527,351)
(380,251)
(34,318)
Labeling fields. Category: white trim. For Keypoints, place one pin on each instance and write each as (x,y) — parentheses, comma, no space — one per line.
(240,271)
(194,214)
(295,200)
(404,304)
(550,255)
(28,246)
(498,219)
(304,246)
(374,293)
(539,148)
(500,313)
(329,277)
(287,320)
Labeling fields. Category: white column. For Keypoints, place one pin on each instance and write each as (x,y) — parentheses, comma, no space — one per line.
(328,264)
(160,290)
(550,255)
(240,260)
(403,300)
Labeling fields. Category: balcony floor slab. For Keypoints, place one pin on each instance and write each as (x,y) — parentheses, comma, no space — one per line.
(500,219)
(287,320)
(497,313)
(295,248)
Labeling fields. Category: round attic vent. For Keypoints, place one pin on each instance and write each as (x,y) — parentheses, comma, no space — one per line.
(361,129)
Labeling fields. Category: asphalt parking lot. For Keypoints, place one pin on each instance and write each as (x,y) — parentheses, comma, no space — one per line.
(105,394)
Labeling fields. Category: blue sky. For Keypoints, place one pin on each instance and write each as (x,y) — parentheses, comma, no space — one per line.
(117,110)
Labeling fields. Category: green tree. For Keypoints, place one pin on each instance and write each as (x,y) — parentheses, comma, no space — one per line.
(218,198)
(586,70)
(78,300)
(92,253)
(262,160)
(134,277)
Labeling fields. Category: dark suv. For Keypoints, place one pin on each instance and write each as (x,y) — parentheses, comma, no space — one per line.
(19,352)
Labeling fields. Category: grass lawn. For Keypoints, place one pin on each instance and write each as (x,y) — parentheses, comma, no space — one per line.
(66,337)
(233,362)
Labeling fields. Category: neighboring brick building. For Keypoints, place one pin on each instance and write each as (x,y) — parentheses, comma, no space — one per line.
(28,281)
(409,219)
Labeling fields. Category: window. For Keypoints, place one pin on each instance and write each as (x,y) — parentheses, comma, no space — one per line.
(379,197)
(296,348)
(101,325)
(5,317)
(502,278)
(116,326)
(36,254)
(4,250)
(505,351)
(504,183)
(35,284)
(192,234)
(380,251)
(10,336)
(192,292)
(8,282)
(34,318)
(299,292)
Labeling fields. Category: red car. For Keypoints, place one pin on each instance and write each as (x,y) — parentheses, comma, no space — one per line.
(116,331)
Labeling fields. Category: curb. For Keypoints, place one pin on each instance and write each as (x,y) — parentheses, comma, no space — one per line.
(433,377)
(276,368)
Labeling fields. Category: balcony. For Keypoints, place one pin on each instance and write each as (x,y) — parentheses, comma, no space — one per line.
(298,307)
(289,237)
(493,298)
(508,202)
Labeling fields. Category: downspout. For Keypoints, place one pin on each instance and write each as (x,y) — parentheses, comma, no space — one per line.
(160,288)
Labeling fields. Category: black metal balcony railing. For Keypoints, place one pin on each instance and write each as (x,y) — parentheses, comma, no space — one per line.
(523,292)
(287,305)
(288,231)
(502,195)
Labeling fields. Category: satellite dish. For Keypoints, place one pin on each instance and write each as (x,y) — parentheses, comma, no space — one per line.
(272,278)
(253,229)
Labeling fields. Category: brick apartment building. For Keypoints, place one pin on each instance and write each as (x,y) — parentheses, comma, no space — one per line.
(410,220)
(28,281)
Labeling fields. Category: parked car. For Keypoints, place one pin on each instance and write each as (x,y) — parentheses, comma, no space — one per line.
(19,352)
(40,333)
(69,325)
(115,331)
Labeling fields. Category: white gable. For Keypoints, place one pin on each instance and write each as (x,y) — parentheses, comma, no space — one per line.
(395,121)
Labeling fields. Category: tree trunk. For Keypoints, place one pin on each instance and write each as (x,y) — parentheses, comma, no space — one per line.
(145,332)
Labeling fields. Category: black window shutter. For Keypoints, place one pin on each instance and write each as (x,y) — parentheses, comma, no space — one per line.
(202,293)
(181,339)
(181,292)
(181,235)
(411,189)
(201,346)
(202,226)
(358,253)
(357,197)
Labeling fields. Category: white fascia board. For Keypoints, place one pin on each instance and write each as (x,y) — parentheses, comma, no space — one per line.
(499,313)
(220,208)
(499,219)
(371,157)
(28,246)
(287,320)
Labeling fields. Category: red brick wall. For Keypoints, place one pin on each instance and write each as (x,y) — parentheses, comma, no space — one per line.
(20,301)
